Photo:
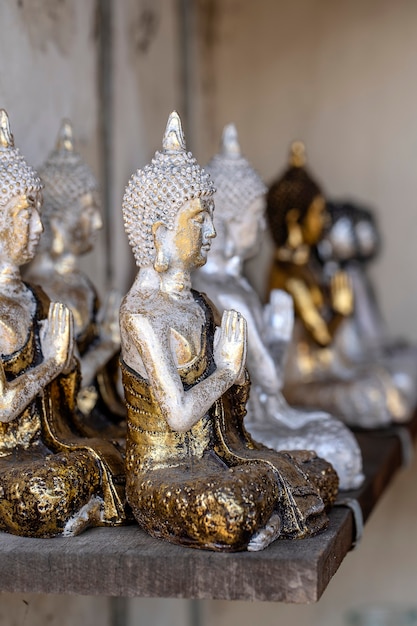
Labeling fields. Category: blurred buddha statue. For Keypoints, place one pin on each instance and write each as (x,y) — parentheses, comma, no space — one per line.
(239,222)
(350,241)
(51,481)
(317,372)
(71,219)
(194,475)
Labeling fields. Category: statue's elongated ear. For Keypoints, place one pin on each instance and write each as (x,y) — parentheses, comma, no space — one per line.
(161,262)
(158,231)
(295,235)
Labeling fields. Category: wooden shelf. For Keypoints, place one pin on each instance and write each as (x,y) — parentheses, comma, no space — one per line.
(127,562)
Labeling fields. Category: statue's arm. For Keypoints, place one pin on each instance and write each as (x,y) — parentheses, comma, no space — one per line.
(57,343)
(367,312)
(306,309)
(182,409)
(95,359)
(108,343)
(342,299)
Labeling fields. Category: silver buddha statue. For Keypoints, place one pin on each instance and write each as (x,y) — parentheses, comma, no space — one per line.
(317,371)
(71,218)
(52,481)
(194,475)
(350,241)
(239,222)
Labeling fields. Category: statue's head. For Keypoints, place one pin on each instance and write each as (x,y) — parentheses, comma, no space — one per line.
(368,237)
(240,199)
(350,234)
(338,242)
(71,212)
(169,203)
(296,209)
(20,201)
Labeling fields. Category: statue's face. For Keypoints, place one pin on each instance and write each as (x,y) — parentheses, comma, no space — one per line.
(367,239)
(82,224)
(314,221)
(187,245)
(244,230)
(21,228)
(342,240)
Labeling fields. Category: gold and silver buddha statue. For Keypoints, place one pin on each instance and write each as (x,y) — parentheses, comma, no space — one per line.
(239,222)
(194,475)
(52,481)
(318,371)
(72,219)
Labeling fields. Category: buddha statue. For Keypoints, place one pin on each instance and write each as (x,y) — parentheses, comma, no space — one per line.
(317,372)
(194,475)
(239,222)
(350,241)
(52,481)
(71,219)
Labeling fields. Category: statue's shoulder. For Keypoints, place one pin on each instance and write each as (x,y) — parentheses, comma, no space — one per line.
(147,309)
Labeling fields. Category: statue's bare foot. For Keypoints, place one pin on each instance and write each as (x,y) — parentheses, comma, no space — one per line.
(266,535)
(91,514)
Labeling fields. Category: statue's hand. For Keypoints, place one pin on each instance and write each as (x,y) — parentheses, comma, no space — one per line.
(108,318)
(341,293)
(230,345)
(279,316)
(57,337)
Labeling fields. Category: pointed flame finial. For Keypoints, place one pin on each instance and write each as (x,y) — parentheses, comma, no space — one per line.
(297,154)
(230,142)
(6,137)
(173,139)
(65,139)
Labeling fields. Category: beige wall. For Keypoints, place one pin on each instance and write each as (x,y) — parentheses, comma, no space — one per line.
(341,76)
